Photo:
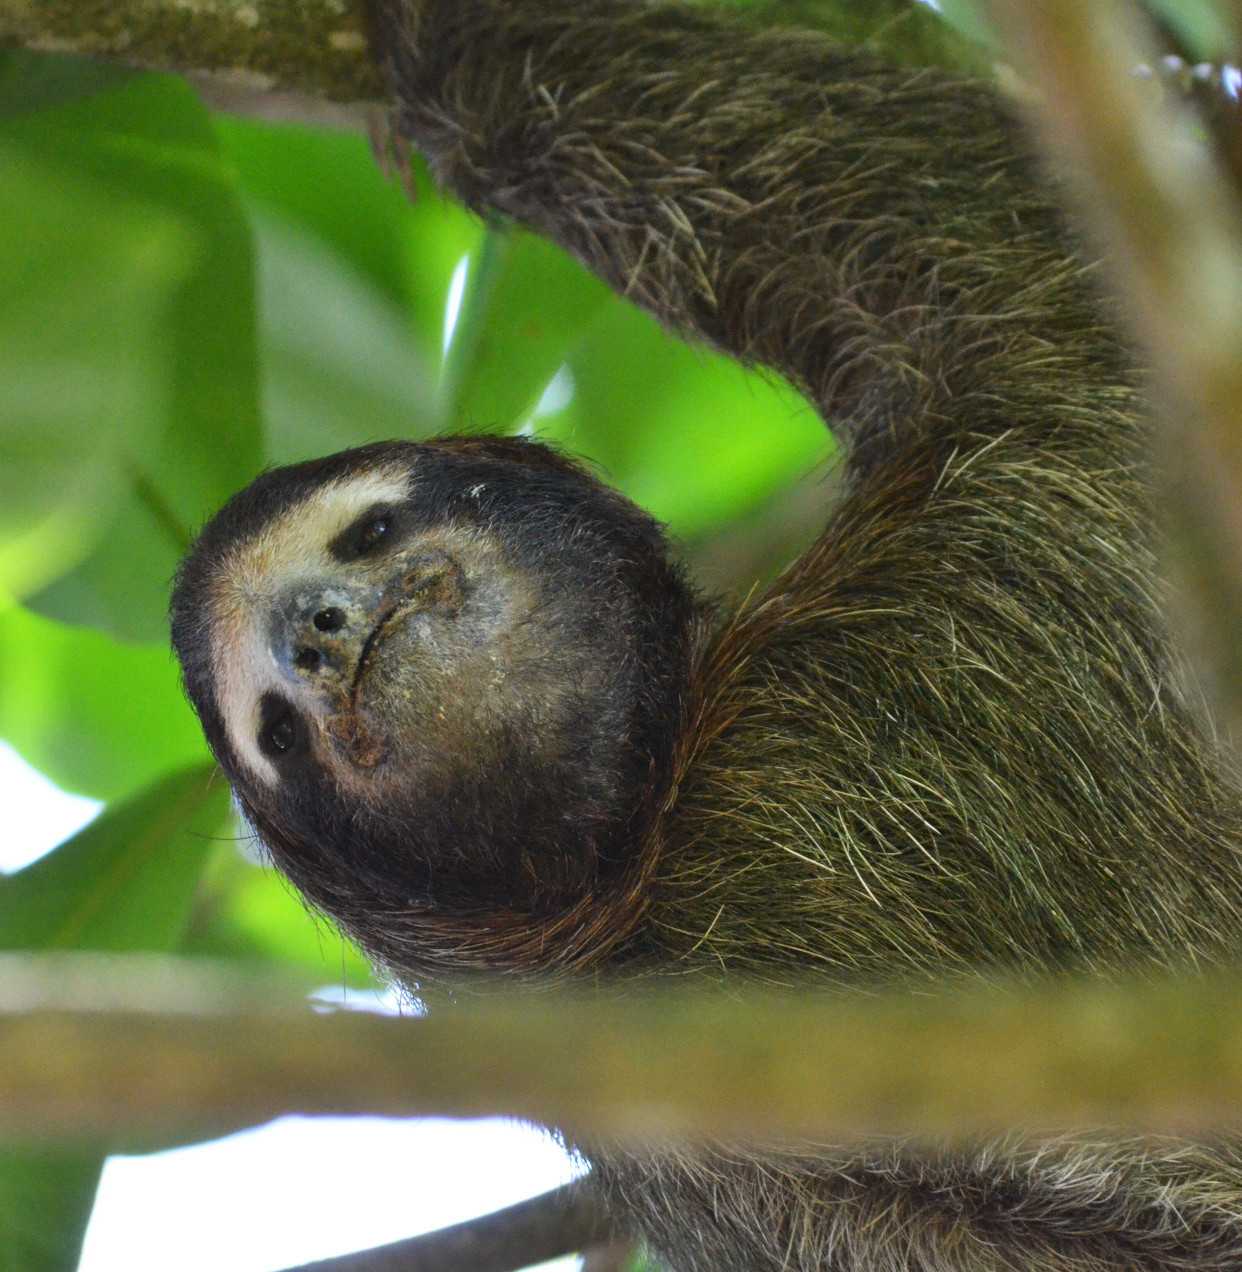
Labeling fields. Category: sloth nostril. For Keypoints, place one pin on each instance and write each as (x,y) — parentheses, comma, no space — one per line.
(307,659)
(329,620)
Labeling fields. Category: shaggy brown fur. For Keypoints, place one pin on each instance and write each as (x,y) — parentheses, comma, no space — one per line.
(950,736)
(950,740)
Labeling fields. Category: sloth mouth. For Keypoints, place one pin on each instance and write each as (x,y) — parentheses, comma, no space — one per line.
(390,616)
(437,583)
(365,747)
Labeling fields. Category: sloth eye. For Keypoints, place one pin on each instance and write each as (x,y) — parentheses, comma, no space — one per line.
(367,534)
(279,733)
(373,531)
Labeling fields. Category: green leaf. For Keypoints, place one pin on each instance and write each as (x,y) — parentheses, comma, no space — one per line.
(328,185)
(99,717)
(127,881)
(45,1196)
(339,366)
(1206,27)
(688,435)
(528,304)
(643,1262)
(194,437)
(124,883)
(440,235)
(251,913)
(85,295)
(968,17)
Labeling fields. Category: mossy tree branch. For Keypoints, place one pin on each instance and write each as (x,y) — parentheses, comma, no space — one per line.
(298,59)
(315,50)
(136,1049)
(311,46)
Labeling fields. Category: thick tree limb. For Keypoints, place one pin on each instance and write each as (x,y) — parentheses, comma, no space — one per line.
(293,58)
(564,1221)
(90,1049)
(315,48)
(1171,221)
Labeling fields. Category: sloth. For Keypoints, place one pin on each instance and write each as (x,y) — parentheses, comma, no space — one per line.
(480,717)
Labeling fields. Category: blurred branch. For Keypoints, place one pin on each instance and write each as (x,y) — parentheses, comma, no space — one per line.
(1168,215)
(311,49)
(565,1221)
(133,1047)
(293,59)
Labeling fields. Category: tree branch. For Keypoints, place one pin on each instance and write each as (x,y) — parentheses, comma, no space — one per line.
(1169,217)
(137,1048)
(565,1221)
(311,47)
(290,57)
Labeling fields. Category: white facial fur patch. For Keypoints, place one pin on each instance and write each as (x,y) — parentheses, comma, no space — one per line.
(247,583)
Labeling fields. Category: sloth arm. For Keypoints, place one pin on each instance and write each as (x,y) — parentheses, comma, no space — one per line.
(874,234)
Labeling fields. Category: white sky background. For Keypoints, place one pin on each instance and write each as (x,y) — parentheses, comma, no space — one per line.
(306,1188)
(297,1189)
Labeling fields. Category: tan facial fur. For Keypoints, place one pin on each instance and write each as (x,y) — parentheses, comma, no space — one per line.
(246,586)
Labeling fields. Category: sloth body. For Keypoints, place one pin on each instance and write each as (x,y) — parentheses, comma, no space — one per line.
(479,718)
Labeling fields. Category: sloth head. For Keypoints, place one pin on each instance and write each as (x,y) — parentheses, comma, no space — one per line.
(440,676)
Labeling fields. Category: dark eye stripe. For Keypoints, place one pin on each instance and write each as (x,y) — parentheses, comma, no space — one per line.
(280,730)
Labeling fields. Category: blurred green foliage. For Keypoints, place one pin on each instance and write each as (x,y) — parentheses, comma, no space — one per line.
(1207,28)
(187,300)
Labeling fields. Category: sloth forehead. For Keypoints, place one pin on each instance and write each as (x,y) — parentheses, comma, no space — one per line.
(249,577)
(295,541)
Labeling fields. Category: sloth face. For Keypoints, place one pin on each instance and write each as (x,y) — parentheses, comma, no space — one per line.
(435,664)
(355,634)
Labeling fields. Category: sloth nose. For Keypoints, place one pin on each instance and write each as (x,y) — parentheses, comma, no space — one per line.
(313,635)
(329,620)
